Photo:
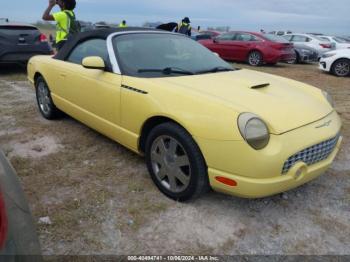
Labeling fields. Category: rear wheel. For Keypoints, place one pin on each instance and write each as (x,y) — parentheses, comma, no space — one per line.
(255,58)
(44,100)
(341,67)
(175,163)
(295,60)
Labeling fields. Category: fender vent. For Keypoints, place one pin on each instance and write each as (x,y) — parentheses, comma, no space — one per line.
(260,86)
(134,89)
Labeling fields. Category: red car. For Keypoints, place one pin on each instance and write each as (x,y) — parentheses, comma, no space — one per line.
(254,48)
(18,236)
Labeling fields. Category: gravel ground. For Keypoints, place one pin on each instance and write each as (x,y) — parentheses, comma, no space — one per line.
(100,199)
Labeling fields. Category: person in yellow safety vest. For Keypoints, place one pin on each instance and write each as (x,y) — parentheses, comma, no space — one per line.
(64,19)
(123,24)
(184,27)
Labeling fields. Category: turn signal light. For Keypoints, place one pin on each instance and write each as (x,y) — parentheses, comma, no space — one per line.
(226,181)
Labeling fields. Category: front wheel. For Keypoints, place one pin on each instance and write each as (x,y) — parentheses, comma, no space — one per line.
(341,67)
(255,58)
(175,163)
(44,100)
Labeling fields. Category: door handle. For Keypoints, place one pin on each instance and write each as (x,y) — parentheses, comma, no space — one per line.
(63,75)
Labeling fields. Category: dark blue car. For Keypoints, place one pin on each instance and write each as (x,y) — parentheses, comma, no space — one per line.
(19,42)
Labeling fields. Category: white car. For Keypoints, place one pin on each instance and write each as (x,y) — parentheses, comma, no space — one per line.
(337,62)
(322,46)
(338,42)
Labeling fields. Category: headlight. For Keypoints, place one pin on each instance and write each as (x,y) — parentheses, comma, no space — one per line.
(253,130)
(329,98)
(326,55)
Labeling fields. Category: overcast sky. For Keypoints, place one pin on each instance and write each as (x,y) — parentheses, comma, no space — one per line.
(296,15)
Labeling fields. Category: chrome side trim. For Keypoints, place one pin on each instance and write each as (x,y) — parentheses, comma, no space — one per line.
(110,49)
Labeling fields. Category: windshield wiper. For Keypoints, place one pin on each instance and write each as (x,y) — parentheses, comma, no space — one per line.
(216,70)
(166,71)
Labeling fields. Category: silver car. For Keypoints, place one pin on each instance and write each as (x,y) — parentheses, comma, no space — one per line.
(322,46)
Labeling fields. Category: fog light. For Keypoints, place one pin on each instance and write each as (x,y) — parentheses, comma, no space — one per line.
(299,173)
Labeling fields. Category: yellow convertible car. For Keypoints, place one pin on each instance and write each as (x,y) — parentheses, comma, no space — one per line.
(199,122)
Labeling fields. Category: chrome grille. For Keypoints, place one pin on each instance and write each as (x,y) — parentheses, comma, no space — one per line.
(313,154)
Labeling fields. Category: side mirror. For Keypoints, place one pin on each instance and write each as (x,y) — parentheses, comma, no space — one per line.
(215,40)
(93,62)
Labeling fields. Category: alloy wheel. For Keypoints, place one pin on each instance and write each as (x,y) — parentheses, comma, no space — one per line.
(44,98)
(170,164)
(254,58)
(342,68)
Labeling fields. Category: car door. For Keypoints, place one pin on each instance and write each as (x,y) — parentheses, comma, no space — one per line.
(222,45)
(91,95)
(242,44)
(302,39)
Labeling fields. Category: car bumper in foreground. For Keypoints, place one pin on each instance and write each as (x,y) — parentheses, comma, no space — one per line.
(21,238)
(261,173)
(255,187)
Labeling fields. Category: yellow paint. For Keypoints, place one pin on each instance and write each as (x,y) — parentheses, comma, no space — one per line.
(207,106)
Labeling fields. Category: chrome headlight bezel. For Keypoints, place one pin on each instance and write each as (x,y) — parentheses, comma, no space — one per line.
(328,98)
(258,138)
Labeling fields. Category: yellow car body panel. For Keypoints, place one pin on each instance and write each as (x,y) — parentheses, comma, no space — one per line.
(207,106)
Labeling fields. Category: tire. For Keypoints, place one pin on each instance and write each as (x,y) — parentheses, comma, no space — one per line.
(296,60)
(43,97)
(255,58)
(175,163)
(341,67)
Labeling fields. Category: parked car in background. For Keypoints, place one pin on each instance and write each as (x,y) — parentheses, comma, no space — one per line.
(19,42)
(17,231)
(211,33)
(322,46)
(338,42)
(253,48)
(199,36)
(280,32)
(336,62)
(202,35)
(346,38)
(304,54)
(86,26)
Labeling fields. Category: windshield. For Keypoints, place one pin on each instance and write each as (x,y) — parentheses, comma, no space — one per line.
(339,40)
(275,38)
(162,55)
(320,38)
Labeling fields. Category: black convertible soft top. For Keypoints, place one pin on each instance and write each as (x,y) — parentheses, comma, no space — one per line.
(98,33)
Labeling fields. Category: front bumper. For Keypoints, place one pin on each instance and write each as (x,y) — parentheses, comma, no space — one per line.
(22,53)
(308,57)
(325,65)
(259,173)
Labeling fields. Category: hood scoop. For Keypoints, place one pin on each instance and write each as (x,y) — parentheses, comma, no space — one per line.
(260,86)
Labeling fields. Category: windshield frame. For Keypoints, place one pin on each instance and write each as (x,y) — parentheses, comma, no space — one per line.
(113,53)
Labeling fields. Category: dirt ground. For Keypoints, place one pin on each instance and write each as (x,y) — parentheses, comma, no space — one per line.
(101,200)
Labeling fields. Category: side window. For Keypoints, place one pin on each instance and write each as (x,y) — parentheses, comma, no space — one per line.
(288,37)
(92,47)
(299,38)
(226,37)
(246,37)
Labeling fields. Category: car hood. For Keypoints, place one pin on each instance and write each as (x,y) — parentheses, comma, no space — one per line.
(283,103)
